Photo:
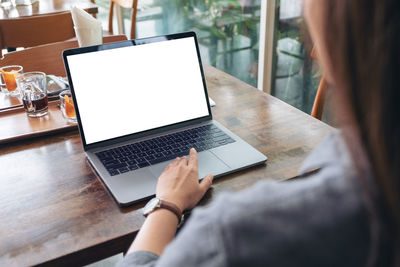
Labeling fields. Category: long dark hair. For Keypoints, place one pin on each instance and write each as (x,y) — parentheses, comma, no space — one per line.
(363,43)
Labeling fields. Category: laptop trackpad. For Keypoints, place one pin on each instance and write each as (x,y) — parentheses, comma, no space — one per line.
(132,185)
(208,163)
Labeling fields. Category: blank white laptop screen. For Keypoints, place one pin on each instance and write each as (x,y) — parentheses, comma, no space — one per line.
(133,89)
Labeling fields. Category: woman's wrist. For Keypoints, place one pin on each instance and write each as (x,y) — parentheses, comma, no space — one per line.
(157,232)
(165,214)
(173,201)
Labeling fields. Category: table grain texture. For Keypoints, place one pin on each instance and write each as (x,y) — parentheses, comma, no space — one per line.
(55,210)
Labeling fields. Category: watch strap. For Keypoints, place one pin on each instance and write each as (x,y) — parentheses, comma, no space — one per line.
(171,207)
(162,204)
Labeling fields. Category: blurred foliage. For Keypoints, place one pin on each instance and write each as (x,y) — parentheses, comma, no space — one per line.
(223,19)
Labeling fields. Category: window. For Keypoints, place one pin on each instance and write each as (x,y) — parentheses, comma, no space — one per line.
(296,77)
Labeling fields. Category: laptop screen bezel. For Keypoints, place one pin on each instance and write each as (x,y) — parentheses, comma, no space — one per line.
(128,43)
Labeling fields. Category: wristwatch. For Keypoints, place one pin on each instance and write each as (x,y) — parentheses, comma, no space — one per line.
(157,203)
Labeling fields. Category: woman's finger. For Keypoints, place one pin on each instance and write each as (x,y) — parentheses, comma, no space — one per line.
(176,160)
(193,157)
(206,183)
(184,161)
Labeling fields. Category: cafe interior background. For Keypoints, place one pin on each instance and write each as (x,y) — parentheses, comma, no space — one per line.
(229,37)
(235,36)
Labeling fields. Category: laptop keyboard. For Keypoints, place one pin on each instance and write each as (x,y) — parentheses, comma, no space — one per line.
(139,155)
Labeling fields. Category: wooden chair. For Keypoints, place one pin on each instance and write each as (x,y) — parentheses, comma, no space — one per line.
(47,58)
(320,97)
(124,4)
(36,30)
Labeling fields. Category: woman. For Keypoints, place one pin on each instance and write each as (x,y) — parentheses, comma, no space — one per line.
(348,213)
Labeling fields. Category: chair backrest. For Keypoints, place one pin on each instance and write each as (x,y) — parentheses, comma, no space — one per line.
(320,97)
(36,30)
(124,4)
(47,58)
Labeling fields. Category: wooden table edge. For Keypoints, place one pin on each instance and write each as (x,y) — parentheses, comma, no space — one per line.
(95,253)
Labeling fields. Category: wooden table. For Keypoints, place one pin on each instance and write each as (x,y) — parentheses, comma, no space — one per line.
(44,7)
(55,210)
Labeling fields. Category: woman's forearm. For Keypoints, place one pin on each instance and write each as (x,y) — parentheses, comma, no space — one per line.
(156,233)
(178,184)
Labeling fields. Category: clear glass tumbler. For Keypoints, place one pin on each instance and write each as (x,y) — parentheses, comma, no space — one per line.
(33,93)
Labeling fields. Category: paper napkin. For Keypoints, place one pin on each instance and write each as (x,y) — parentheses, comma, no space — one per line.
(88,30)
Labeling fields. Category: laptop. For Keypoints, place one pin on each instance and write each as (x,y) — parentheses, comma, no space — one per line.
(140,104)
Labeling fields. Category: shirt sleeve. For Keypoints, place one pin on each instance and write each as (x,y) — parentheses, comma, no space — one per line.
(139,258)
(198,244)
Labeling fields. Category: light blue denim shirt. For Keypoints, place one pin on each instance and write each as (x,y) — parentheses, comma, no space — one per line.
(317,221)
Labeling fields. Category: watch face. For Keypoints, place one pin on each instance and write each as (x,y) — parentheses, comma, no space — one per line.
(150,206)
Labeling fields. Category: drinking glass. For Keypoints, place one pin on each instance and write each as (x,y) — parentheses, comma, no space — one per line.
(33,93)
(8,83)
(67,106)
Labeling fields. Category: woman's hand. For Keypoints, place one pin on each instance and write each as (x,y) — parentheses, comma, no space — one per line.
(179,182)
